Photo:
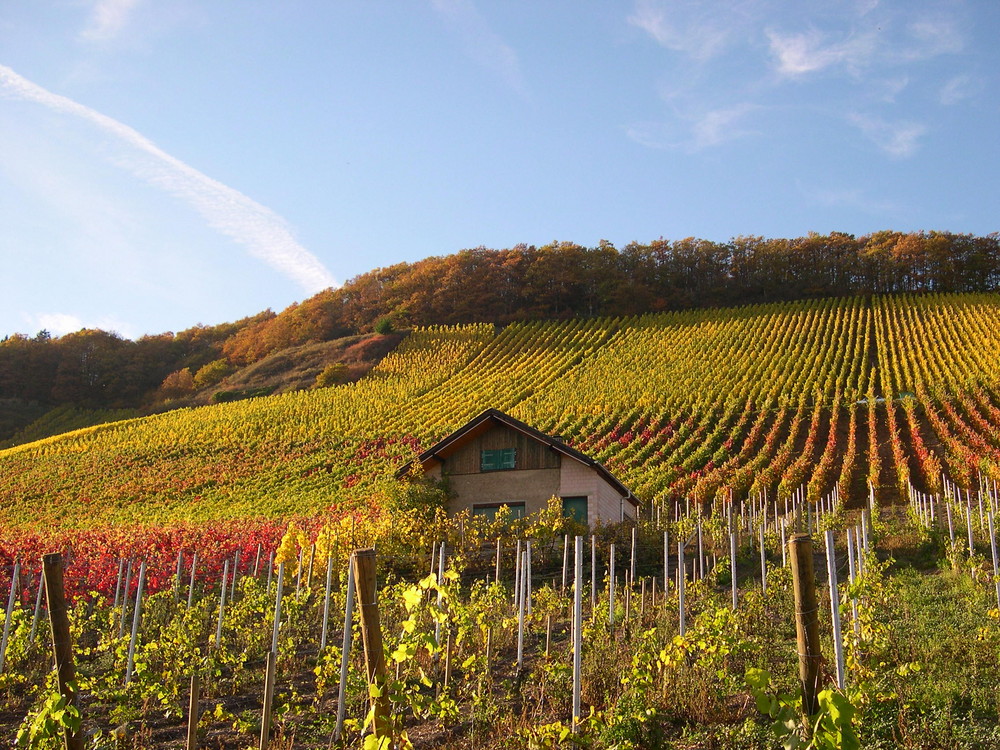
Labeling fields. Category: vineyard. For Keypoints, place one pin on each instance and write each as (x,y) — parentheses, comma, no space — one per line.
(733,427)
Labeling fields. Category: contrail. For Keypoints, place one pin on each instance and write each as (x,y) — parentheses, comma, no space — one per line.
(264,233)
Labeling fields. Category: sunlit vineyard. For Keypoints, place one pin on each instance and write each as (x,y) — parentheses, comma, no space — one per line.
(699,404)
(829,405)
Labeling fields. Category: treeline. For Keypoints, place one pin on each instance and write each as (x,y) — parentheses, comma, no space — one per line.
(560,280)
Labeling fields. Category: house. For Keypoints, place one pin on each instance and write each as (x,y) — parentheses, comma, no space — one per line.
(497,460)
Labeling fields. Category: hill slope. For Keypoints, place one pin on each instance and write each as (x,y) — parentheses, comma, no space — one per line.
(695,404)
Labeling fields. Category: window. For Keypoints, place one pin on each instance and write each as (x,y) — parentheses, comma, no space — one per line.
(496,460)
(575,508)
(489,510)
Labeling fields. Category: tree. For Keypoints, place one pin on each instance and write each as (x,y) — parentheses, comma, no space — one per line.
(178,384)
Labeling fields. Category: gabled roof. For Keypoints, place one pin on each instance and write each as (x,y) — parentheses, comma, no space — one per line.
(438,452)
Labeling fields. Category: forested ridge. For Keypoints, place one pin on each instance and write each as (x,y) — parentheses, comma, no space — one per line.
(100,370)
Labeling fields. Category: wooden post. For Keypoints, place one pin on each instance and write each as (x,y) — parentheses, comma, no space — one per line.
(371,633)
(192,728)
(806,619)
(62,647)
(265,719)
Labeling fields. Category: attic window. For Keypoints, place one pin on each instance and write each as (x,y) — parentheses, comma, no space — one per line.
(498,459)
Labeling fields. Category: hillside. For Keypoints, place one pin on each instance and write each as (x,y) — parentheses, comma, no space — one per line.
(699,404)
(95,370)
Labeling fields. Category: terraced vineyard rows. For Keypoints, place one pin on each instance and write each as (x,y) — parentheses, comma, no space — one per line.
(698,404)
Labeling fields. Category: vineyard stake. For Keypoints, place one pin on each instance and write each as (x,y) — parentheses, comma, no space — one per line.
(681,582)
(838,640)
(447,661)
(192,727)
(312,558)
(298,576)
(136,617)
(519,598)
(732,567)
(562,588)
(611,587)
(277,607)
(968,521)
(236,570)
(15,576)
(763,563)
(635,532)
(440,594)
(118,583)
(326,601)
(270,570)
(666,563)
(222,604)
(128,581)
(346,650)
(577,631)
(265,716)
(527,577)
(62,646)
(371,633)
(593,573)
(256,562)
(38,606)
(517,575)
(993,549)
(701,553)
(852,575)
(806,619)
(194,565)
(177,578)
(628,599)
(496,575)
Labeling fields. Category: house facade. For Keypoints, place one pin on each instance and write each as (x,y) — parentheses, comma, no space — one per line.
(496,460)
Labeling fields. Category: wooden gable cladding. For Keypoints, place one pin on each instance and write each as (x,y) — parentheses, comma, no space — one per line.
(530,454)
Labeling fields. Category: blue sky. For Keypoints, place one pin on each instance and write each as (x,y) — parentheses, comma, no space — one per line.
(165,163)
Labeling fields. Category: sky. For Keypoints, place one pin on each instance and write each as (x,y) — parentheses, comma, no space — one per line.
(170,163)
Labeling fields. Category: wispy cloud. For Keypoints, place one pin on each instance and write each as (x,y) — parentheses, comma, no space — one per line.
(481,43)
(107,19)
(957,89)
(898,139)
(262,232)
(695,131)
(810,51)
(697,29)
(852,198)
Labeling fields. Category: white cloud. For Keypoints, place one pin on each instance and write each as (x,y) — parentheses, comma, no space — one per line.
(807,52)
(481,43)
(59,324)
(107,19)
(899,140)
(262,232)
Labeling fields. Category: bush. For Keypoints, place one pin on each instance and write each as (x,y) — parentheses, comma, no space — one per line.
(333,374)
(383,326)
